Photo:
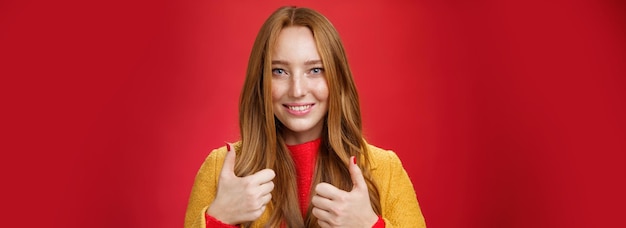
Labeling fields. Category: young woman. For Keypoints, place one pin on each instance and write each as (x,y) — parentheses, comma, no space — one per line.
(302,160)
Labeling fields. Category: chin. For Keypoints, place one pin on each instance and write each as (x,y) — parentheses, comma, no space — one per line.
(299,129)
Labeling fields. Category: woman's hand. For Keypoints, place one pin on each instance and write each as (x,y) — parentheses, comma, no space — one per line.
(334,207)
(240,199)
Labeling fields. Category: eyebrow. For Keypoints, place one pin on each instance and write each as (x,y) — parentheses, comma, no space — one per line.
(308,62)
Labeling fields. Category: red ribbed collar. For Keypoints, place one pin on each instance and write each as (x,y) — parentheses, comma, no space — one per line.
(306,148)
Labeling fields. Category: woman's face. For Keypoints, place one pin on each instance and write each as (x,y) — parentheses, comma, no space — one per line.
(299,89)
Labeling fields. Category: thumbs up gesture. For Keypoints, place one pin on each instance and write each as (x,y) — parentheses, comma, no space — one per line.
(334,207)
(240,199)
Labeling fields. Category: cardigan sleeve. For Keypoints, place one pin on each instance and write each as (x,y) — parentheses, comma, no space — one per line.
(400,207)
(204,189)
(212,222)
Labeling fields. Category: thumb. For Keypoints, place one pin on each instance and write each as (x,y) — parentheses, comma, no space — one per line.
(229,161)
(357,176)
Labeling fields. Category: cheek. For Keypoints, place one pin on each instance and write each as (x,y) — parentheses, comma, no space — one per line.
(276,93)
(321,91)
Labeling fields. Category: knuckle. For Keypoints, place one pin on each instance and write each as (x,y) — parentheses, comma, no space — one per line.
(271,183)
(319,187)
(249,189)
(335,210)
(257,195)
(314,200)
(258,205)
(258,213)
(342,198)
(339,210)
(333,221)
(250,198)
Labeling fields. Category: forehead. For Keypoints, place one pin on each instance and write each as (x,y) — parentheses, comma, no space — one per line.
(295,44)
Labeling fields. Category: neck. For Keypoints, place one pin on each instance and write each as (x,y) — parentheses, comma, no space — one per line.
(295,138)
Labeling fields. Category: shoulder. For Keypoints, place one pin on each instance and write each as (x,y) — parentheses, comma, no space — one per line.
(385,166)
(216,156)
(213,163)
(382,157)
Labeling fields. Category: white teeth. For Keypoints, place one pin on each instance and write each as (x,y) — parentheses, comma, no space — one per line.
(299,108)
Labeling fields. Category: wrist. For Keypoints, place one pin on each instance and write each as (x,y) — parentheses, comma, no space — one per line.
(372,220)
(213,213)
(380,223)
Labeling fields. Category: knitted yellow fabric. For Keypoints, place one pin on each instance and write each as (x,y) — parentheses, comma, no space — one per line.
(398,201)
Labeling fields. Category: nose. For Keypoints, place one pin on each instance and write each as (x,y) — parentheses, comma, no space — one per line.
(298,86)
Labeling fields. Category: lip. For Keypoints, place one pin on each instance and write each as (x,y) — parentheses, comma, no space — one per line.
(297,112)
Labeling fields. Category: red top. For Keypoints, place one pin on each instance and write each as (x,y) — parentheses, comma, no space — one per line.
(304,156)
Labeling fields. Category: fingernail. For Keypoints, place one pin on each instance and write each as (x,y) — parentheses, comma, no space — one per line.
(354,160)
(227,147)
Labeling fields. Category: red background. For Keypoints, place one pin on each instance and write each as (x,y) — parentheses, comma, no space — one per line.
(504,113)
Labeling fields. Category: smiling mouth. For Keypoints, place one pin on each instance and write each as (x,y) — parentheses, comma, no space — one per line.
(299,108)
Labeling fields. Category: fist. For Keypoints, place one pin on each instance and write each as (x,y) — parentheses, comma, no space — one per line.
(240,199)
(334,207)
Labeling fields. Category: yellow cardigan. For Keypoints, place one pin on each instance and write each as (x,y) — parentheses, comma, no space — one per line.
(398,201)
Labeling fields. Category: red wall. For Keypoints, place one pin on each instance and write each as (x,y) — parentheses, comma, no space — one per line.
(504,114)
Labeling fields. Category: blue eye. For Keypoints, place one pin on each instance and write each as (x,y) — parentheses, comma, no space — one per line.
(317,70)
(278,71)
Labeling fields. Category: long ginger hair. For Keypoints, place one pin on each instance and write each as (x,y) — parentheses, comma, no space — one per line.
(262,143)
